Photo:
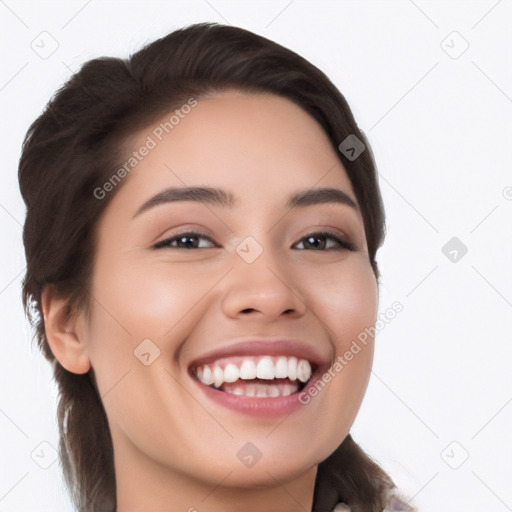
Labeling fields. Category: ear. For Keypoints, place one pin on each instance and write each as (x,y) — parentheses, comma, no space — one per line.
(67,343)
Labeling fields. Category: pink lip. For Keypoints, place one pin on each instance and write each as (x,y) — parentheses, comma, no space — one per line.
(270,407)
(277,347)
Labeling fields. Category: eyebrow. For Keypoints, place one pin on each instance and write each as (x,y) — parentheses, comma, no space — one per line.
(225,199)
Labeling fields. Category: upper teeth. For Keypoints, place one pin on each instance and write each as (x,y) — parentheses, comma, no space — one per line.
(248,368)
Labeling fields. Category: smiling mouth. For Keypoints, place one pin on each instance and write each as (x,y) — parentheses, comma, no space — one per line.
(256,376)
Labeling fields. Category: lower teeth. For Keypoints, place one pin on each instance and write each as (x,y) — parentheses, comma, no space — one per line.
(260,390)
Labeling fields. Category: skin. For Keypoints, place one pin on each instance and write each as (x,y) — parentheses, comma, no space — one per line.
(174,448)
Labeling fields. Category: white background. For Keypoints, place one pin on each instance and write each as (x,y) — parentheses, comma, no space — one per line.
(441,131)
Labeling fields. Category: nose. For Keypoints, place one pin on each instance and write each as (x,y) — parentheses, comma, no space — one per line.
(263,288)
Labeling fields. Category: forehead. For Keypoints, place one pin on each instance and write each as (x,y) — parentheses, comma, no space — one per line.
(260,146)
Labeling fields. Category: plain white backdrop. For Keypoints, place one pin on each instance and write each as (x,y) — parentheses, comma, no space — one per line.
(430,83)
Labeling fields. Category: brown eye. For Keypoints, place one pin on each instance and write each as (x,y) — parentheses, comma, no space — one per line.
(318,241)
(186,240)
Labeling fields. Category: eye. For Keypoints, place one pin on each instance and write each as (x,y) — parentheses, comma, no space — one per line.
(186,240)
(340,243)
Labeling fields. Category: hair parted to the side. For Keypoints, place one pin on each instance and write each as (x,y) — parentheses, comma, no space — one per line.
(74,146)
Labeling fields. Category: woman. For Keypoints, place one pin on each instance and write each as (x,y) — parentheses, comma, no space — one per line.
(201,231)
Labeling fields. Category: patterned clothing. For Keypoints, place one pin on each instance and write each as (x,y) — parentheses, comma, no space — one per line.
(395,504)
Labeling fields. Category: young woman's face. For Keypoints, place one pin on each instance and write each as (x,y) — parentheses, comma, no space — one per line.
(183,284)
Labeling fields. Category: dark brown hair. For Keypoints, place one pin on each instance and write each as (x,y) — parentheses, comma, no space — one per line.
(83,135)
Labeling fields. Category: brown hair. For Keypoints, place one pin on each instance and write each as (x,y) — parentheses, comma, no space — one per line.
(72,148)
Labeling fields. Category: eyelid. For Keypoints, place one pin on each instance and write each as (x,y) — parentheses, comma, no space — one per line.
(183,229)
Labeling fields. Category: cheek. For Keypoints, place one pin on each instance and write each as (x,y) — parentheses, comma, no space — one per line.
(345,299)
(137,301)
(150,299)
(347,305)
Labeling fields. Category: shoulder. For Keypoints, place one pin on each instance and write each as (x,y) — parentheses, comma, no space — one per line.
(396,502)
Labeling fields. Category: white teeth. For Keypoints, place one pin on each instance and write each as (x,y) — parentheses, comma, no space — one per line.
(265,369)
(292,368)
(218,376)
(250,390)
(272,391)
(248,370)
(231,373)
(288,389)
(282,368)
(252,367)
(262,390)
(207,377)
(303,370)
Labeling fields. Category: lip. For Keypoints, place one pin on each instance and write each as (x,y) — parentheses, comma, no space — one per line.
(277,347)
(271,407)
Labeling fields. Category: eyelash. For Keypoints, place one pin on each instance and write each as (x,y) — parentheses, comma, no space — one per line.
(343,244)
